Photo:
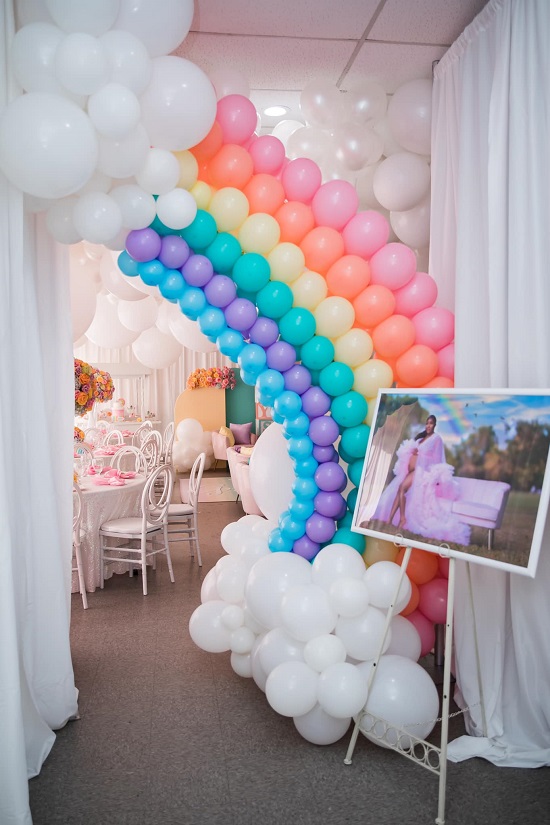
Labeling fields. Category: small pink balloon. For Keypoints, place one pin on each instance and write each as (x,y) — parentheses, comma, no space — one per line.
(393,266)
(334,204)
(446,358)
(435,327)
(237,116)
(251,141)
(420,293)
(433,600)
(366,233)
(268,154)
(425,629)
(444,567)
(301,179)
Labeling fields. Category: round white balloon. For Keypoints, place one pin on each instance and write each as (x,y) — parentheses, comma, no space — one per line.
(291,689)
(129,60)
(156,350)
(93,18)
(176,209)
(319,728)
(401,181)
(97,217)
(81,65)
(272,472)
(161,26)
(137,207)
(59,220)
(410,115)
(114,110)
(83,301)
(138,315)
(122,158)
(106,329)
(187,332)
(269,579)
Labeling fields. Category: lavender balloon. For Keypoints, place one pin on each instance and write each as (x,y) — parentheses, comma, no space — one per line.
(174,251)
(330,476)
(315,402)
(240,314)
(281,356)
(322,454)
(306,548)
(220,291)
(264,331)
(320,528)
(197,270)
(297,379)
(332,505)
(323,430)
(143,244)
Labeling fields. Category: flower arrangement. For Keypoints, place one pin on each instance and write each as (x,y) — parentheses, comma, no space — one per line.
(222,378)
(78,434)
(90,385)
(104,386)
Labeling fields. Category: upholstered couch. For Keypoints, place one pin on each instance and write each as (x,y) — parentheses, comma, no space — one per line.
(222,440)
(239,471)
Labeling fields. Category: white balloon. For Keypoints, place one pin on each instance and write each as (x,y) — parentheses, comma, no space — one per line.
(410,115)
(336,561)
(285,128)
(122,158)
(242,640)
(319,728)
(138,315)
(32,11)
(176,209)
(183,456)
(309,142)
(306,612)
(231,579)
(209,592)
(355,146)
(364,187)
(137,207)
(81,64)
(114,110)
(93,18)
(401,181)
(32,57)
(229,81)
(160,24)
(258,673)
(189,429)
(118,242)
(412,227)
(381,579)
(242,664)
(233,616)
(159,173)
(106,330)
(321,104)
(187,332)
(156,350)
(269,580)
(167,311)
(405,639)
(97,183)
(271,472)
(391,144)
(48,146)
(291,689)
(324,650)
(83,301)
(97,217)
(362,635)
(59,220)
(342,690)
(253,549)
(278,646)
(207,629)
(365,102)
(128,59)
(178,107)
(349,597)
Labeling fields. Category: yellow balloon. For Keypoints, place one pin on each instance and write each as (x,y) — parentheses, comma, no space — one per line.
(372,376)
(334,317)
(353,348)
(259,233)
(287,262)
(202,193)
(229,207)
(189,169)
(379,550)
(309,290)
(369,418)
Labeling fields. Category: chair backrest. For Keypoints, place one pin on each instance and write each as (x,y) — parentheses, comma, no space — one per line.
(83,456)
(130,459)
(113,437)
(195,478)
(157,494)
(77,509)
(142,431)
(167,442)
(94,436)
(104,425)
(151,447)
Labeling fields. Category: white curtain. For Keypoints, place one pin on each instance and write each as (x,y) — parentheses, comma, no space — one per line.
(491,247)
(37,691)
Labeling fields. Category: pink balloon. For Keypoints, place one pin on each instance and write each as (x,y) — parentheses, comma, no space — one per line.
(420,293)
(237,116)
(433,600)
(425,629)
(268,154)
(301,179)
(335,203)
(444,567)
(446,358)
(393,266)
(366,233)
(435,327)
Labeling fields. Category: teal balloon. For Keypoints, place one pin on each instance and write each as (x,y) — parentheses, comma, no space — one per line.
(212,322)
(349,409)
(346,520)
(317,353)
(245,293)
(346,536)
(354,440)
(127,264)
(297,326)
(230,342)
(201,232)
(344,455)
(151,272)
(274,300)
(223,252)
(355,470)
(352,501)
(251,273)
(172,285)
(336,378)
(192,302)
(161,227)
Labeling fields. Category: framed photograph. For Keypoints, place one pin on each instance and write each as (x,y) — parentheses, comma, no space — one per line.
(463,473)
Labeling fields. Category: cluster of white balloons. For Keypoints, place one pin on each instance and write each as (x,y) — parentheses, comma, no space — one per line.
(191,440)
(382,147)
(106,116)
(308,634)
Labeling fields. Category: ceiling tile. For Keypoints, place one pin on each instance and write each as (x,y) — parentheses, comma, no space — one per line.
(392,65)
(424,21)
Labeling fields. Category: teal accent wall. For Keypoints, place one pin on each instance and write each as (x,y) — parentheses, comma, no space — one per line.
(239,403)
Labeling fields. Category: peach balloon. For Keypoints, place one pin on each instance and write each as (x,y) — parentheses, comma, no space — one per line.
(334,317)
(373,305)
(393,266)
(309,290)
(413,601)
(210,145)
(265,193)
(372,376)
(322,247)
(439,382)
(366,233)
(393,337)
(295,220)
(259,233)
(422,566)
(335,203)
(301,179)
(420,293)
(268,154)
(379,550)
(446,360)
(287,262)
(231,166)
(348,276)
(416,366)
(435,327)
(353,348)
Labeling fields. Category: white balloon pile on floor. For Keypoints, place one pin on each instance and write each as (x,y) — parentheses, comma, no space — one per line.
(189,441)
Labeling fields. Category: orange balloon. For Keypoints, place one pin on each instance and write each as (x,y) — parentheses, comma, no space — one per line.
(295,220)
(413,601)
(210,145)
(393,336)
(422,566)
(416,366)
(322,247)
(264,193)
(440,381)
(348,276)
(373,305)
(231,166)
(204,173)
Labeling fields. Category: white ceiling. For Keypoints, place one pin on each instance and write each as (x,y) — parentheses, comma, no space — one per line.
(281,45)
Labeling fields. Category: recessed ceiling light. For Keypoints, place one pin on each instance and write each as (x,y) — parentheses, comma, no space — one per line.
(276,111)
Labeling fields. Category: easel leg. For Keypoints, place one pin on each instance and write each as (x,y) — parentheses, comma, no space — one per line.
(446,696)
(476,647)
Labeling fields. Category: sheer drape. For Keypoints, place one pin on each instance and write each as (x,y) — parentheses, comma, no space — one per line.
(37,692)
(490,237)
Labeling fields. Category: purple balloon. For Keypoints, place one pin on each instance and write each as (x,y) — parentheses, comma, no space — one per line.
(306,548)
(323,430)
(332,505)
(174,251)
(315,402)
(297,379)
(264,331)
(220,291)
(281,356)
(240,314)
(320,528)
(197,270)
(143,244)
(330,476)
(322,454)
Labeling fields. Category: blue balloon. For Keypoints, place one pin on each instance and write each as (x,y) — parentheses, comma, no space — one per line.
(172,285)
(127,264)
(304,488)
(297,427)
(192,302)
(301,508)
(279,543)
(290,527)
(250,379)
(270,384)
(230,343)
(288,404)
(151,272)
(305,467)
(300,448)
(252,359)
(212,322)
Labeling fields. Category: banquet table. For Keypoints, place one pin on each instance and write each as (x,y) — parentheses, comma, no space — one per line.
(100,504)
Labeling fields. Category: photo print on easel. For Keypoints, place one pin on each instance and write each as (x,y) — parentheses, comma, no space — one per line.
(461,473)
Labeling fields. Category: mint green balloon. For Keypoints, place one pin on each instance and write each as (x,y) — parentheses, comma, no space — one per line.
(274,300)
(336,378)
(346,536)
(297,326)
(354,440)
(251,272)
(317,353)
(223,252)
(201,232)
(349,409)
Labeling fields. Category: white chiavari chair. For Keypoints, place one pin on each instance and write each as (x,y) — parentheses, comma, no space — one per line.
(183,524)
